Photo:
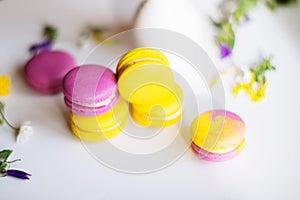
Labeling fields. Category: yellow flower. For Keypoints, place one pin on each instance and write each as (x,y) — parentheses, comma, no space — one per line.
(4,85)
(255,94)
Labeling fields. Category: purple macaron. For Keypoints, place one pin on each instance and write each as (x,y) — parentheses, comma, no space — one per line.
(44,72)
(90,90)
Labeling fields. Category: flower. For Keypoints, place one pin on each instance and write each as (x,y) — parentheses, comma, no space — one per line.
(17,174)
(25,132)
(256,85)
(4,165)
(50,34)
(43,46)
(225,51)
(4,85)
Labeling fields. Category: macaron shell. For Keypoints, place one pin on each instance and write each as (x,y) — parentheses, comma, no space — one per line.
(217,130)
(145,120)
(87,86)
(165,112)
(104,121)
(142,54)
(98,136)
(144,84)
(45,71)
(91,111)
(216,157)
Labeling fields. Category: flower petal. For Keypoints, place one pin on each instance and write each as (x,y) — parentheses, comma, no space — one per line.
(17,174)
(37,48)
(25,132)
(225,51)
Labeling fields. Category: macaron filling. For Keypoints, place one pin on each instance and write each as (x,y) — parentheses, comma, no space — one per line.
(170,117)
(106,102)
(216,157)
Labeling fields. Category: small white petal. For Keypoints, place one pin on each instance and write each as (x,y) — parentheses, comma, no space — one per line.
(256,86)
(25,132)
(247,76)
(229,7)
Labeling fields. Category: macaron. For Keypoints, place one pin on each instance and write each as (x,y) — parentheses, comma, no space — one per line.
(45,71)
(90,90)
(218,135)
(165,112)
(141,74)
(101,127)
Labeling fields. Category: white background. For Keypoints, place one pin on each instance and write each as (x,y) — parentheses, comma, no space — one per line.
(268,168)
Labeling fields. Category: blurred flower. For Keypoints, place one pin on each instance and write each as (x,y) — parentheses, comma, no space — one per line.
(25,132)
(4,165)
(50,34)
(43,46)
(256,86)
(4,85)
(17,174)
(225,51)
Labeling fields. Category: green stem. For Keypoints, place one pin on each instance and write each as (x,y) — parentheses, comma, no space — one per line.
(17,160)
(7,122)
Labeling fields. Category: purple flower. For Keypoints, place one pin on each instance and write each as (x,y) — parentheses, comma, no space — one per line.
(17,174)
(37,48)
(225,50)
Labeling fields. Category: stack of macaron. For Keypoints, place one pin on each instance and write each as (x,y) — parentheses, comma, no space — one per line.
(218,135)
(91,94)
(146,81)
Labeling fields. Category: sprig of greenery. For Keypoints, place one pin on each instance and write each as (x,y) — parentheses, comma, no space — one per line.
(5,154)
(243,8)
(226,35)
(227,27)
(4,166)
(50,32)
(3,118)
(260,70)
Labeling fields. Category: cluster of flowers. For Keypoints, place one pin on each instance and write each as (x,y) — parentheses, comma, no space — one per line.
(233,13)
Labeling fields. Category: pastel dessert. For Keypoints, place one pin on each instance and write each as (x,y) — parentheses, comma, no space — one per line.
(219,135)
(90,90)
(101,127)
(165,112)
(44,72)
(142,75)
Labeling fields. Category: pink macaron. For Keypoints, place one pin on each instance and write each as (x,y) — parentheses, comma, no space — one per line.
(90,90)
(45,71)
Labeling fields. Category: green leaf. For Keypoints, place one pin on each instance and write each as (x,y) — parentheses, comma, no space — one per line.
(51,32)
(216,24)
(3,167)
(271,5)
(246,5)
(5,154)
(227,35)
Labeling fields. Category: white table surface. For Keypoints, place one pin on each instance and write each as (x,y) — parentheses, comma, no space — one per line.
(268,168)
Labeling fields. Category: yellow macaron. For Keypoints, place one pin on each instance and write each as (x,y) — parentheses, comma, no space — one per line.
(141,74)
(162,113)
(218,131)
(102,127)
